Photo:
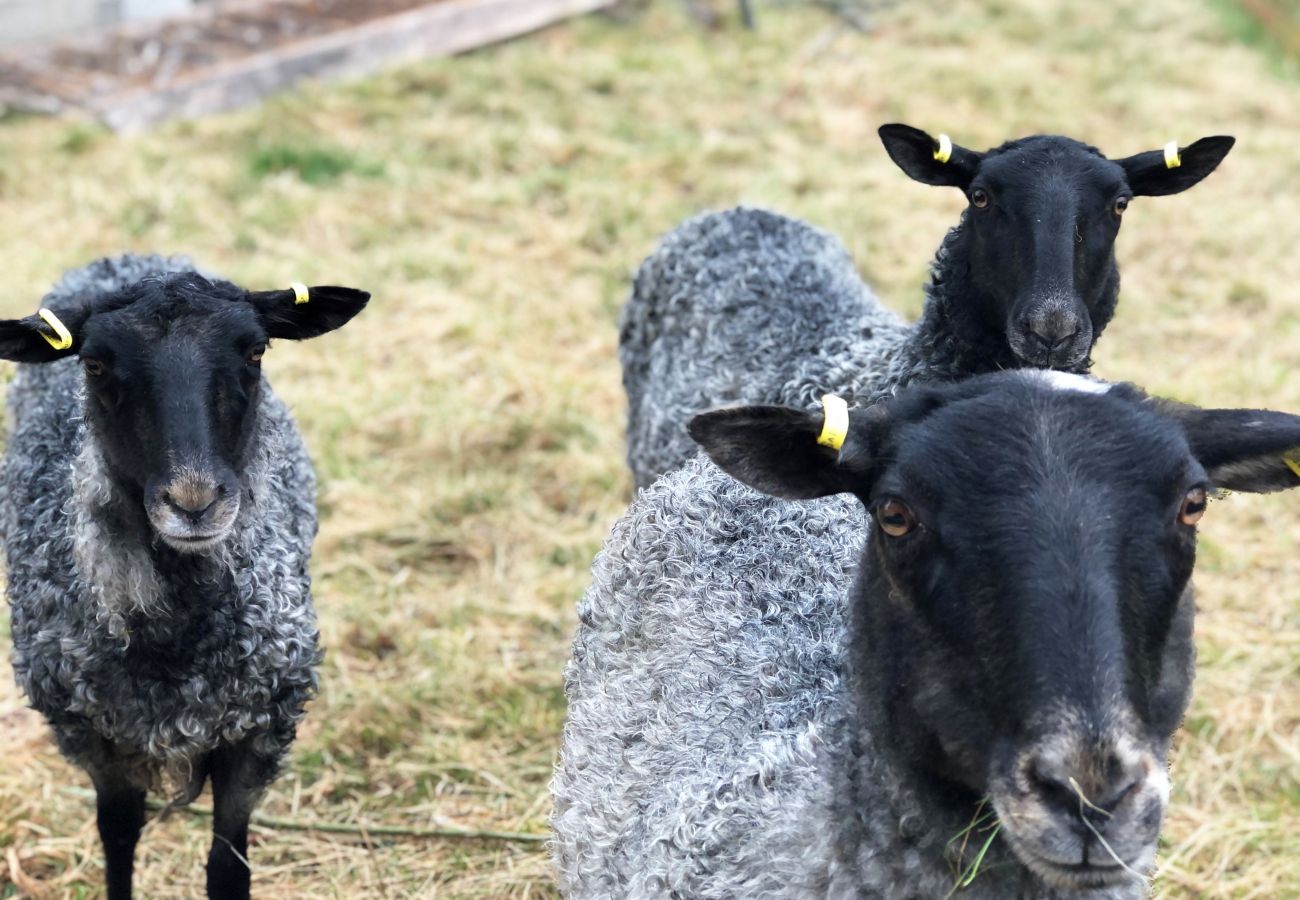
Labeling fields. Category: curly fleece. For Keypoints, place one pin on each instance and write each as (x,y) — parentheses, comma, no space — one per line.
(164,654)
(748,305)
(711,749)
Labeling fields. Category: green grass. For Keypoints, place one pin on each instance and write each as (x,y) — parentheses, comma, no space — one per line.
(468,428)
(313,164)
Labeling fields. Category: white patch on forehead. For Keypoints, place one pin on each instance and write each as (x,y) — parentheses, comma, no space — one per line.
(1068,381)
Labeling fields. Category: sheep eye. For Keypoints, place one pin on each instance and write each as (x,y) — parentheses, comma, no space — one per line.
(895,518)
(92,366)
(1193,507)
(255,355)
(979,198)
(1120,205)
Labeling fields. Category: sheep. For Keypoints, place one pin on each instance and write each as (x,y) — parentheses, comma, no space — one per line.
(158,509)
(934,663)
(748,305)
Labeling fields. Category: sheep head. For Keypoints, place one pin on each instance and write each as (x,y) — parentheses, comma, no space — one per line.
(173,377)
(1036,247)
(1021,627)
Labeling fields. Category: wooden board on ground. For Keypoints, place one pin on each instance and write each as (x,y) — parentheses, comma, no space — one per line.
(234,54)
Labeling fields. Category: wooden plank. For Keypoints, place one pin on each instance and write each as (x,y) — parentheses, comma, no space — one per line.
(438,29)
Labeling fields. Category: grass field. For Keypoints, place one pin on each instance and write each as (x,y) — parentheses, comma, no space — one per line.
(468,427)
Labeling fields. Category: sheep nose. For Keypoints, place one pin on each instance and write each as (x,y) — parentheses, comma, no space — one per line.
(1050,339)
(1091,789)
(192,498)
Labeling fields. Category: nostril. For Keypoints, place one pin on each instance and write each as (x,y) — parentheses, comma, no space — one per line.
(1117,792)
(192,501)
(190,512)
(1084,797)
(1122,780)
(1064,341)
(1052,341)
(1052,788)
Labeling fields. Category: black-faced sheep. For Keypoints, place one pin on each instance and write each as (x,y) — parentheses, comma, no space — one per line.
(158,511)
(750,306)
(956,674)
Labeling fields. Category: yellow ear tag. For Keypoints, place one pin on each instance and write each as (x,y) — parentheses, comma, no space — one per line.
(835,425)
(1292,460)
(300,293)
(1173,159)
(64,339)
(944,153)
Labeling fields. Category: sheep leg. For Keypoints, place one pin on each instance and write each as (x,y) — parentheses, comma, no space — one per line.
(238,778)
(120,815)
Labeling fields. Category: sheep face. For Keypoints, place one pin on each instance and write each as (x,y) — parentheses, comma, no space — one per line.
(1022,623)
(172,386)
(1047,618)
(1039,233)
(172,377)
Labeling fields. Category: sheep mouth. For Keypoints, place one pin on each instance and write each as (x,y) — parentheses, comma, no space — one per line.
(193,543)
(1081,876)
(1064,855)
(188,536)
(1067,353)
(1070,358)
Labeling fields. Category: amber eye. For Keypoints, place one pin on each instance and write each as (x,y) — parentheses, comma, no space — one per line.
(1193,507)
(895,518)
(255,355)
(979,198)
(92,365)
(1120,205)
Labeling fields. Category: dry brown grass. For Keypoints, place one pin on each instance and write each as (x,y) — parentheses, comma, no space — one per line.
(468,427)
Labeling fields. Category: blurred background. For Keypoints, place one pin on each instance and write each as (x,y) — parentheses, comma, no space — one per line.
(468,428)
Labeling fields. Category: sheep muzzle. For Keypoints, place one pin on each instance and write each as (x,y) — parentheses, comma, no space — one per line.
(193,509)
(1084,812)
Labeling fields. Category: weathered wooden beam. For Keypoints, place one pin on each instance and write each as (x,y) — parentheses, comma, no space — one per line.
(441,29)
(437,29)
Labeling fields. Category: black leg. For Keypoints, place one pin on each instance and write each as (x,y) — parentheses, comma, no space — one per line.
(238,778)
(120,815)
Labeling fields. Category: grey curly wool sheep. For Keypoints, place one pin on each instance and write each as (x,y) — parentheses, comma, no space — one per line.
(748,305)
(706,688)
(707,701)
(706,671)
(162,617)
(743,723)
(93,611)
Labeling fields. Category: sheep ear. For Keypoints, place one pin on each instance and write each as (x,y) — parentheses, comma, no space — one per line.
(24,340)
(1149,174)
(774,449)
(1250,450)
(290,315)
(918,154)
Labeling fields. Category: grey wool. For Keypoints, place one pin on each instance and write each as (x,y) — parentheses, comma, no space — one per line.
(160,655)
(711,749)
(749,305)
